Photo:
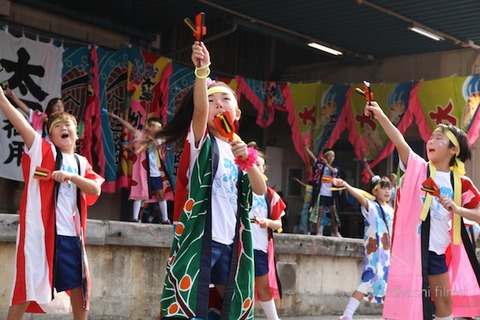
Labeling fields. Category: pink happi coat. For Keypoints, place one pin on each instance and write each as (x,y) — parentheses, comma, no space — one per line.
(139,185)
(36,119)
(404,291)
(35,249)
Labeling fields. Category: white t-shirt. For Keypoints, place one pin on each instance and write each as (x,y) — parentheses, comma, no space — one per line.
(224,190)
(152,161)
(325,189)
(67,199)
(260,236)
(440,218)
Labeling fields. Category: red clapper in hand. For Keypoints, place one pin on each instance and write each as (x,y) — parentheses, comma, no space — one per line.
(367,93)
(199,29)
(42,173)
(431,187)
(224,124)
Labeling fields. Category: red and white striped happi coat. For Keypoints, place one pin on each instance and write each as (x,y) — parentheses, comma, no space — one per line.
(33,278)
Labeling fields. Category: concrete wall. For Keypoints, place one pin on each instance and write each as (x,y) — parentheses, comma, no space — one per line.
(127,263)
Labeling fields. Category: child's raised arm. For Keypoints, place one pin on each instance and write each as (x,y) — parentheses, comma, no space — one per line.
(201,61)
(17,119)
(126,124)
(392,132)
(19,103)
(309,153)
(355,192)
(367,166)
(299,181)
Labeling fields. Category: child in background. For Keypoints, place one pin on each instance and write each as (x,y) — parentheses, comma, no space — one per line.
(267,217)
(392,176)
(432,257)
(212,241)
(322,194)
(148,168)
(50,257)
(37,118)
(378,215)
(150,213)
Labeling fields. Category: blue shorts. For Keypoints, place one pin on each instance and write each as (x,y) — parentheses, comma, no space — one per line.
(221,257)
(156,183)
(261,262)
(436,263)
(68,272)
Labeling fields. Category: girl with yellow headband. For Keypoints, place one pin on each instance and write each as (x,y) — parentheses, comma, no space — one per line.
(149,181)
(216,176)
(378,217)
(51,272)
(267,212)
(432,258)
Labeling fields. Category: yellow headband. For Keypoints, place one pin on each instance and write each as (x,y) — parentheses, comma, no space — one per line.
(155,124)
(377,183)
(453,139)
(329,152)
(219,89)
(54,122)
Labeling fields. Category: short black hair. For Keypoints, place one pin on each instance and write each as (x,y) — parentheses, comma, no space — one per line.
(376,179)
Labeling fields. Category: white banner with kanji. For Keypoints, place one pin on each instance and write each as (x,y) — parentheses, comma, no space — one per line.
(33,70)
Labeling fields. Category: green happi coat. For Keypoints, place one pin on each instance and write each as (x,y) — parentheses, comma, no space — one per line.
(186,287)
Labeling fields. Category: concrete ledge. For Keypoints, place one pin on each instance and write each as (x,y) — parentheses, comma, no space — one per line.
(312,245)
(127,262)
(118,233)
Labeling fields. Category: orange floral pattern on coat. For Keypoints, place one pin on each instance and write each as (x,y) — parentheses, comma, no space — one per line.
(371,245)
